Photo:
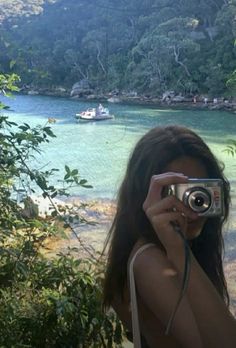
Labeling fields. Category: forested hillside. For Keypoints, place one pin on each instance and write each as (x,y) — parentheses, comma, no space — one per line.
(147,46)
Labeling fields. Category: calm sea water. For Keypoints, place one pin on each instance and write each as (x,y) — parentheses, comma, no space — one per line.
(100,149)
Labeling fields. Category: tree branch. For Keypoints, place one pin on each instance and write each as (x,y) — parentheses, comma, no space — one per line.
(99,60)
(176,55)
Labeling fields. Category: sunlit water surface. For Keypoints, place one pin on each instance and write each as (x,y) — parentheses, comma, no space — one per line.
(100,149)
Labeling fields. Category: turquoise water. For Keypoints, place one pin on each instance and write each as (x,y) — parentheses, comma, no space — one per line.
(100,149)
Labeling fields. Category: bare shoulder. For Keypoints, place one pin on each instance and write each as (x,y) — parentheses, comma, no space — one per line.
(153,255)
(152,265)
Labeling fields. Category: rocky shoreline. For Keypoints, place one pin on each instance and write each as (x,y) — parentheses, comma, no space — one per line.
(168,100)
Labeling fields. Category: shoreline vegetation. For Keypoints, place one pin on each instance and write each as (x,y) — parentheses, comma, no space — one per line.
(140,47)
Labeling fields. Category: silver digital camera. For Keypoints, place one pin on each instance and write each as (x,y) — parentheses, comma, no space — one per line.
(204,196)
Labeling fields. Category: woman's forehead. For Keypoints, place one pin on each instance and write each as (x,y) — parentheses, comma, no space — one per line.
(192,167)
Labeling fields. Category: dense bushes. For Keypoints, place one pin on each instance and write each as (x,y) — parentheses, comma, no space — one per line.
(43,302)
(56,303)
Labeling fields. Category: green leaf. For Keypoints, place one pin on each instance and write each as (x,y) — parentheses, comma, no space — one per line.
(67,176)
(41,181)
(67,169)
(74,172)
(54,194)
(49,132)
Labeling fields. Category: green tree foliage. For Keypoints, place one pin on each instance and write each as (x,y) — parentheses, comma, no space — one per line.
(43,302)
(231,83)
(167,46)
(149,46)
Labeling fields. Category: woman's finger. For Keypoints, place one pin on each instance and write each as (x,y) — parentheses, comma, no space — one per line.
(158,182)
(170,203)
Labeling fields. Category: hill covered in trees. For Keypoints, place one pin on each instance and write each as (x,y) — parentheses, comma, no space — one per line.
(147,46)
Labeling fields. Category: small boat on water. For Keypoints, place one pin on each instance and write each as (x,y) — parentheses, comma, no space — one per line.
(95,114)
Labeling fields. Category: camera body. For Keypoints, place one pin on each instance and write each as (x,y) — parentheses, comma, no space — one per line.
(204,196)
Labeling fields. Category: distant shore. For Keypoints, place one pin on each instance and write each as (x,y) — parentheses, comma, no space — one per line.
(192,103)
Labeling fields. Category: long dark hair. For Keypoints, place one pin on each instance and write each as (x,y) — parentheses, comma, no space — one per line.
(154,151)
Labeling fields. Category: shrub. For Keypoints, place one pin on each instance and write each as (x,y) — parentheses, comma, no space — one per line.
(43,302)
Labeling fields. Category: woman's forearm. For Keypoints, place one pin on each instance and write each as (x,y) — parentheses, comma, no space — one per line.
(216,325)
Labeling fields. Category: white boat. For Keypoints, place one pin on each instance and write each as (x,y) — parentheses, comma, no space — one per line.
(95,114)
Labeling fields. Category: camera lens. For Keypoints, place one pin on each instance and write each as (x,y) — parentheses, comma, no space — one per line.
(198,199)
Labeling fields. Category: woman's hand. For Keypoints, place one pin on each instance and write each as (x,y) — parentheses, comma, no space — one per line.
(164,212)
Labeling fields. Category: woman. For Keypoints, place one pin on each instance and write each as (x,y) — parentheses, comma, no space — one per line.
(143,233)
